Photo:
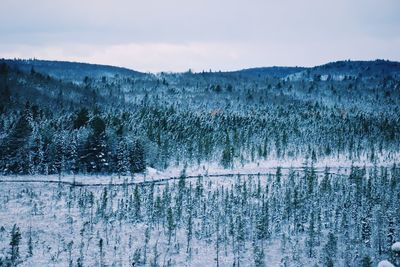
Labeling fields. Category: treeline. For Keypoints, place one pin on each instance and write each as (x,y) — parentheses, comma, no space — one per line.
(37,141)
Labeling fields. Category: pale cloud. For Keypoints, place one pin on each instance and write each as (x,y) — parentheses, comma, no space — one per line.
(176,35)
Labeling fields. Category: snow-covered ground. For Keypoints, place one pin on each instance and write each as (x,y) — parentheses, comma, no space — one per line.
(61,230)
(64,225)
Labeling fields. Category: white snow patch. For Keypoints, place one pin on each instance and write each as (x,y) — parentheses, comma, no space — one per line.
(396,247)
(385,263)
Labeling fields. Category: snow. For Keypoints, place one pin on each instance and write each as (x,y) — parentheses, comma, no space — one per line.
(396,247)
(44,208)
(385,263)
(56,218)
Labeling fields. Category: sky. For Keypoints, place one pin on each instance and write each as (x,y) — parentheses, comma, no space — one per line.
(178,35)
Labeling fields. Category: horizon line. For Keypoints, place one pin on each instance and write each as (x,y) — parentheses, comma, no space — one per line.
(210,70)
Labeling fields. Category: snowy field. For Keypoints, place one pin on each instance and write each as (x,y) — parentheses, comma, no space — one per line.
(62,230)
(284,217)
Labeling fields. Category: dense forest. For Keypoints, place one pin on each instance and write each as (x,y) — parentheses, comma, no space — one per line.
(98,166)
(56,118)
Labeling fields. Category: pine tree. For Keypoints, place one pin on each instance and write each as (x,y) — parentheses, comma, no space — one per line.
(137,157)
(59,160)
(366,261)
(82,118)
(262,222)
(170,224)
(30,245)
(278,176)
(189,229)
(14,246)
(73,155)
(122,158)
(96,147)
(366,230)
(137,204)
(330,249)
(146,243)
(259,255)
(101,252)
(14,150)
(390,232)
(310,243)
(325,183)
(227,153)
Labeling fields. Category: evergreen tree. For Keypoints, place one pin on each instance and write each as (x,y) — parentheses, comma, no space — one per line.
(330,249)
(137,204)
(14,246)
(170,224)
(122,158)
(30,245)
(14,150)
(310,243)
(82,118)
(137,157)
(227,154)
(96,152)
(366,261)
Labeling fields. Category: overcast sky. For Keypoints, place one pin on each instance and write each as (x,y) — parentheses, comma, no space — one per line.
(175,35)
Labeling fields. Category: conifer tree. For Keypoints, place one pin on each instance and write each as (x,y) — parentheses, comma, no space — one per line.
(14,246)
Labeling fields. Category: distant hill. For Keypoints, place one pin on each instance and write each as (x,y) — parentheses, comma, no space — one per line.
(70,71)
(359,69)
(335,69)
(278,72)
(367,68)
(75,71)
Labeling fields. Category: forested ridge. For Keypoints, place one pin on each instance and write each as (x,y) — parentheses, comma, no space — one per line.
(120,121)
